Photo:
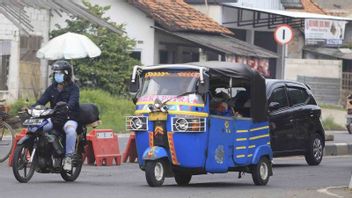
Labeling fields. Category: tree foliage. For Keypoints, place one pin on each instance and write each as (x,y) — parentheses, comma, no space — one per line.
(111,70)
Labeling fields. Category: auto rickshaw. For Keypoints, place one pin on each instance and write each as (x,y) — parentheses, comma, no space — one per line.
(181,131)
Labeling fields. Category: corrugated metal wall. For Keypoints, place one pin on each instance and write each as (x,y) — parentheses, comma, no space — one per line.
(325,90)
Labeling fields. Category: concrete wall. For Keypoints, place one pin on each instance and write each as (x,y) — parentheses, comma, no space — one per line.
(8,31)
(212,11)
(312,68)
(137,25)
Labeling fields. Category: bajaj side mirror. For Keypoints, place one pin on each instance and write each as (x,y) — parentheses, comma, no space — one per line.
(274,106)
(134,86)
(203,87)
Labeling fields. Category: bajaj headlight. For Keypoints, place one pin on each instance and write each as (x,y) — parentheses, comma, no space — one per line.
(188,124)
(137,123)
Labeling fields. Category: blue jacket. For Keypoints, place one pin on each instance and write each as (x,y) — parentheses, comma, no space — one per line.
(70,95)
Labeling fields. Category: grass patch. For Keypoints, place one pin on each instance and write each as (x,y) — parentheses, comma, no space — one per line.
(330,124)
(331,106)
(112,109)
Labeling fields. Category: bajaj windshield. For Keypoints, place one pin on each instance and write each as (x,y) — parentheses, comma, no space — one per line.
(169,83)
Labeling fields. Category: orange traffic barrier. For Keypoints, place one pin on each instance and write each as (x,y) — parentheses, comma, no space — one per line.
(103,145)
(130,150)
(17,138)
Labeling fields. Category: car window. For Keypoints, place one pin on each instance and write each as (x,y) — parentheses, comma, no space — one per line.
(297,96)
(279,96)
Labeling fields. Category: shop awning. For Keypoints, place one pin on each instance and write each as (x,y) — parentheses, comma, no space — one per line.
(339,53)
(224,44)
(241,16)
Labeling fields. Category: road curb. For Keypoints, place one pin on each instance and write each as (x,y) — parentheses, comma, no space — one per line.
(338,149)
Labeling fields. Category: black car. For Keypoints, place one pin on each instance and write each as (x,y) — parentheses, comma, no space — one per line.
(294,117)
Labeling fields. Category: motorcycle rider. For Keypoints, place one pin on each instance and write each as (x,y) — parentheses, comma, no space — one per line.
(63,95)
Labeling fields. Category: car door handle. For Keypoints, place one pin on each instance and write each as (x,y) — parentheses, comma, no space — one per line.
(311,115)
(291,120)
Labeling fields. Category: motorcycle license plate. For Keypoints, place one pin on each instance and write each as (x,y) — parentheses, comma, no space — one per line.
(33,122)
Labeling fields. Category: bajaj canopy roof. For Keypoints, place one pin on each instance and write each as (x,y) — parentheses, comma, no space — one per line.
(241,71)
(227,70)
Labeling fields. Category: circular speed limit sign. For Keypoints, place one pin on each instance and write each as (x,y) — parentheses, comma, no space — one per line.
(283,34)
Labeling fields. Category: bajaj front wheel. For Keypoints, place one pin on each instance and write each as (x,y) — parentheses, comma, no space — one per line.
(22,168)
(155,172)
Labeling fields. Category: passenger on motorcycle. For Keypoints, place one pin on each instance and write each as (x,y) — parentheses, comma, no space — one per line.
(63,95)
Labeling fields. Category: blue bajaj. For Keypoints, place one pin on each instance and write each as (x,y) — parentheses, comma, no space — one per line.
(200,118)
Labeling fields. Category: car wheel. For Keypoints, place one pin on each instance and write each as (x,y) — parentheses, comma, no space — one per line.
(261,172)
(314,153)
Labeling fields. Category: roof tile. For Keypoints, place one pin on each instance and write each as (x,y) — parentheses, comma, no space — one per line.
(176,15)
(310,6)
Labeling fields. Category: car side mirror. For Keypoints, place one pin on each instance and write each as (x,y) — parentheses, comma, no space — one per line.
(203,88)
(274,106)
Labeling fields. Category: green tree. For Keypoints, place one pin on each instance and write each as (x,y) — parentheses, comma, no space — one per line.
(111,70)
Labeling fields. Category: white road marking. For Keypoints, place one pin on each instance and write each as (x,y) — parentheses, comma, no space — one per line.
(326,191)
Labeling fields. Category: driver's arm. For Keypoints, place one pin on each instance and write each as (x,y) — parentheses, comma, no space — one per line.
(45,98)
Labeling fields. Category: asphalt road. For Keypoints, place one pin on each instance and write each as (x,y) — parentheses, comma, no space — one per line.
(292,178)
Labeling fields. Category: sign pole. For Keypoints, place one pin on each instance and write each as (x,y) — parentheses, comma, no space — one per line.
(283,35)
(283,58)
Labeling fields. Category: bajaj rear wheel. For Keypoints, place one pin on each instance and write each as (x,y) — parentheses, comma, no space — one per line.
(182,179)
(261,172)
(155,172)
(22,168)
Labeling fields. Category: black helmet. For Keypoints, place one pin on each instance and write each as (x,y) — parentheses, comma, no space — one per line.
(64,67)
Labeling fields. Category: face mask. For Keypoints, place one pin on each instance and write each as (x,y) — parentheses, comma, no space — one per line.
(59,78)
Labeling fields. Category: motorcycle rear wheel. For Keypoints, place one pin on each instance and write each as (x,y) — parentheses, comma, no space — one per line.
(21,163)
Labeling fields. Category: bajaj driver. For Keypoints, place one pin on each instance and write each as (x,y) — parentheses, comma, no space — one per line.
(63,94)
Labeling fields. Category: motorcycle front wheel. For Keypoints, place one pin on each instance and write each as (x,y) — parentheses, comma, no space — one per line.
(22,168)
(73,174)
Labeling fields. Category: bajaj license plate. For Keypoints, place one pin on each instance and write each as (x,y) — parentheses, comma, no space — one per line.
(33,122)
(155,116)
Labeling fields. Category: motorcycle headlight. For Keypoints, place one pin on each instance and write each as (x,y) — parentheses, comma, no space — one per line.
(136,123)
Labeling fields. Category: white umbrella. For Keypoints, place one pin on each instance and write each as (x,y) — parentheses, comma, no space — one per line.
(69,46)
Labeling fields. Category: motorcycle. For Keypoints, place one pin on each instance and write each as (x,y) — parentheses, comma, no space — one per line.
(43,151)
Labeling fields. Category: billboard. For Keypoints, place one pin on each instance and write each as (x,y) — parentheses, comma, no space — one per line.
(321,32)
